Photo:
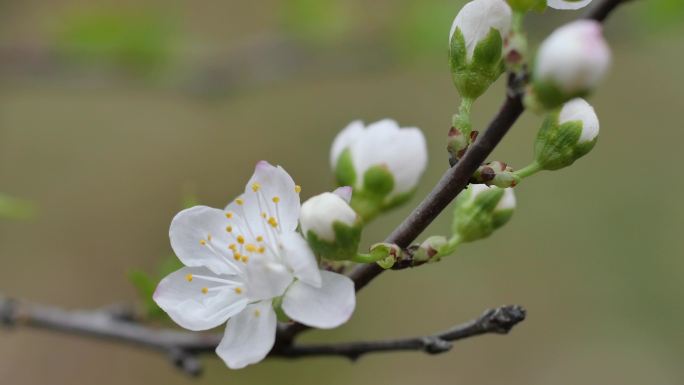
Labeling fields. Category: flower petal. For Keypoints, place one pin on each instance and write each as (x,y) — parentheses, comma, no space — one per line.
(298,256)
(344,139)
(565,4)
(272,191)
(198,237)
(197,303)
(326,307)
(249,336)
(402,150)
(344,192)
(266,279)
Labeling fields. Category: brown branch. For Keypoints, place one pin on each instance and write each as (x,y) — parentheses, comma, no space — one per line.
(182,347)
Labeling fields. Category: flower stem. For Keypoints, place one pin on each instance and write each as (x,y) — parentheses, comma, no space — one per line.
(528,170)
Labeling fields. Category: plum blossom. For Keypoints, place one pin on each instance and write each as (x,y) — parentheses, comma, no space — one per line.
(242,261)
(568,4)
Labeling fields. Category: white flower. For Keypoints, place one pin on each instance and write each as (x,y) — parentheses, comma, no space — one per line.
(239,260)
(477,18)
(568,4)
(579,110)
(322,211)
(574,58)
(401,151)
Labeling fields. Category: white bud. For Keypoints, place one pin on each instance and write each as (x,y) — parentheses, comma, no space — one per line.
(574,58)
(579,110)
(568,4)
(477,18)
(318,214)
(401,152)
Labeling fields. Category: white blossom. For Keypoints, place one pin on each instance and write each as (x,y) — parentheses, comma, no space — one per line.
(238,261)
(402,151)
(573,58)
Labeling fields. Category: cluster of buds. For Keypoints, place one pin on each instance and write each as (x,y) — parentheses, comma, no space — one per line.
(495,174)
(459,139)
(382,162)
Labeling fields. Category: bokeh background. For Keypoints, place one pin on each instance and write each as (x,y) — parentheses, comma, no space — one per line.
(113,114)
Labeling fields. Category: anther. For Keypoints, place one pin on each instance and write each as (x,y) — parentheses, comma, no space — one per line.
(276,199)
(245,259)
(229,215)
(259,238)
(239,201)
(238,290)
(229,229)
(205,290)
(273,222)
(203,242)
(298,189)
(256,187)
(188,277)
(250,248)
(257,313)
(240,239)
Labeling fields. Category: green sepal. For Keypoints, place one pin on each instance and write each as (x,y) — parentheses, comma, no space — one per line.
(557,146)
(378,181)
(344,170)
(278,308)
(345,245)
(474,218)
(546,96)
(472,78)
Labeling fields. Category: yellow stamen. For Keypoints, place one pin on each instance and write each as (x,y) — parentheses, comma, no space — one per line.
(240,239)
(209,237)
(263,215)
(276,199)
(260,238)
(205,290)
(262,249)
(298,189)
(245,259)
(251,248)
(239,201)
(256,187)
(188,277)
(229,229)
(237,256)
(229,215)
(257,313)
(232,246)
(273,222)
(238,290)
(203,242)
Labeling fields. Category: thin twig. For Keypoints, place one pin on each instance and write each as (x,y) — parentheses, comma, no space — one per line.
(182,347)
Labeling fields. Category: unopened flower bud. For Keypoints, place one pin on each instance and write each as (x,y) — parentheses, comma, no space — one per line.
(569,64)
(567,135)
(385,254)
(480,210)
(383,163)
(496,174)
(331,226)
(476,45)
(429,249)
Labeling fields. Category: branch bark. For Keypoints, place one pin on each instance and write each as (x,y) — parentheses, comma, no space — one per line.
(182,348)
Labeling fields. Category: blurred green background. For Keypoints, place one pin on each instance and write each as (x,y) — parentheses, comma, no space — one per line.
(112,112)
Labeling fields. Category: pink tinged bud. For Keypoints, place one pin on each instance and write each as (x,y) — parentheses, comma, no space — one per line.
(573,58)
(579,110)
(568,4)
(477,18)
